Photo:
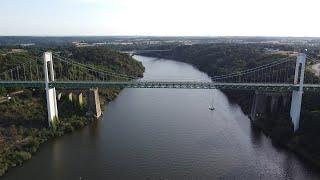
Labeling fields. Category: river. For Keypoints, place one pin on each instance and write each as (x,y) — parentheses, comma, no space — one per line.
(165,134)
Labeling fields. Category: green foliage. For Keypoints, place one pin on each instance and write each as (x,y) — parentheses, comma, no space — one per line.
(66,127)
(23,111)
(12,60)
(22,156)
(109,60)
(218,59)
(27,94)
(3,91)
(109,94)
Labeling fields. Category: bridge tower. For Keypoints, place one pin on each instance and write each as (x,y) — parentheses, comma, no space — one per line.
(50,91)
(297,94)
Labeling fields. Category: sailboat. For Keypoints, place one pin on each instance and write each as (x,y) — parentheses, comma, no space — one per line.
(211,108)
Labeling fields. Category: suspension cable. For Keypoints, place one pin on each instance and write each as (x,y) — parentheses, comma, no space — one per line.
(247,71)
(70,61)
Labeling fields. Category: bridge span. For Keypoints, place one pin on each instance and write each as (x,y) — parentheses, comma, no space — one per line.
(163,84)
(285,75)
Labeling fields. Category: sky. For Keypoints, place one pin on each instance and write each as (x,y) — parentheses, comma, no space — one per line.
(160,17)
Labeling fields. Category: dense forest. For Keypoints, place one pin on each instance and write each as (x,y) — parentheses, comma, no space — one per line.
(217,59)
(109,59)
(23,120)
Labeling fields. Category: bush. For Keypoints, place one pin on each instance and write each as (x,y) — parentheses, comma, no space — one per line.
(67,127)
(3,92)
(31,144)
(78,122)
(27,94)
(3,168)
(21,156)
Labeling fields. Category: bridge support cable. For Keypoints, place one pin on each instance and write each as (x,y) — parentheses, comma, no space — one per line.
(23,72)
(80,72)
(95,73)
(275,63)
(270,73)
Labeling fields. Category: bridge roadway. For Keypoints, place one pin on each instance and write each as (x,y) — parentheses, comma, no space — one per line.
(161,84)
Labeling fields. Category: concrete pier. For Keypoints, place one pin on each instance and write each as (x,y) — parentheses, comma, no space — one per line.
(59,96)
(80,99)
(94,107)
(70,96)
(268,102)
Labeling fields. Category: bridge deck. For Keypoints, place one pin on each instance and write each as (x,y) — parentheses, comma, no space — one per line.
(159,84)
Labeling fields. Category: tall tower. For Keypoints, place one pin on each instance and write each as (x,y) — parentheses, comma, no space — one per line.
(297,93)
(50,91)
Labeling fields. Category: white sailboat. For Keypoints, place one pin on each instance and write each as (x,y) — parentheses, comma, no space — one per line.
(211,108)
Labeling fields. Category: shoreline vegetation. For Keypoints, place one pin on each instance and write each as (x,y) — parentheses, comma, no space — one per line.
(23,121)
(217,59)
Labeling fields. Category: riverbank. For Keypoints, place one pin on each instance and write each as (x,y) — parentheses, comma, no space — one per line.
(19,143)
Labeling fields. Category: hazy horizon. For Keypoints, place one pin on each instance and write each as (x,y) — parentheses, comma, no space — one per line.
(156,36)
(160,18)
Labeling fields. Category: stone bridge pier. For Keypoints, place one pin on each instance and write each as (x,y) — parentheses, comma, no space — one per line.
(73,96)
(94,107)
(91,96)
(269,103)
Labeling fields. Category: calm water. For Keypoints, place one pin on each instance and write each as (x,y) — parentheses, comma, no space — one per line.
(165,134)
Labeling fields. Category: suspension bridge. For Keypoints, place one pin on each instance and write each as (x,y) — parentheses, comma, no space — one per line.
(278,79)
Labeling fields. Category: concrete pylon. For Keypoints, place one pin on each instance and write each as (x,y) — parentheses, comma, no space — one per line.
(50,91)
(94,103)
(80,99)
(297,94)
(70,96)
(59,96)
